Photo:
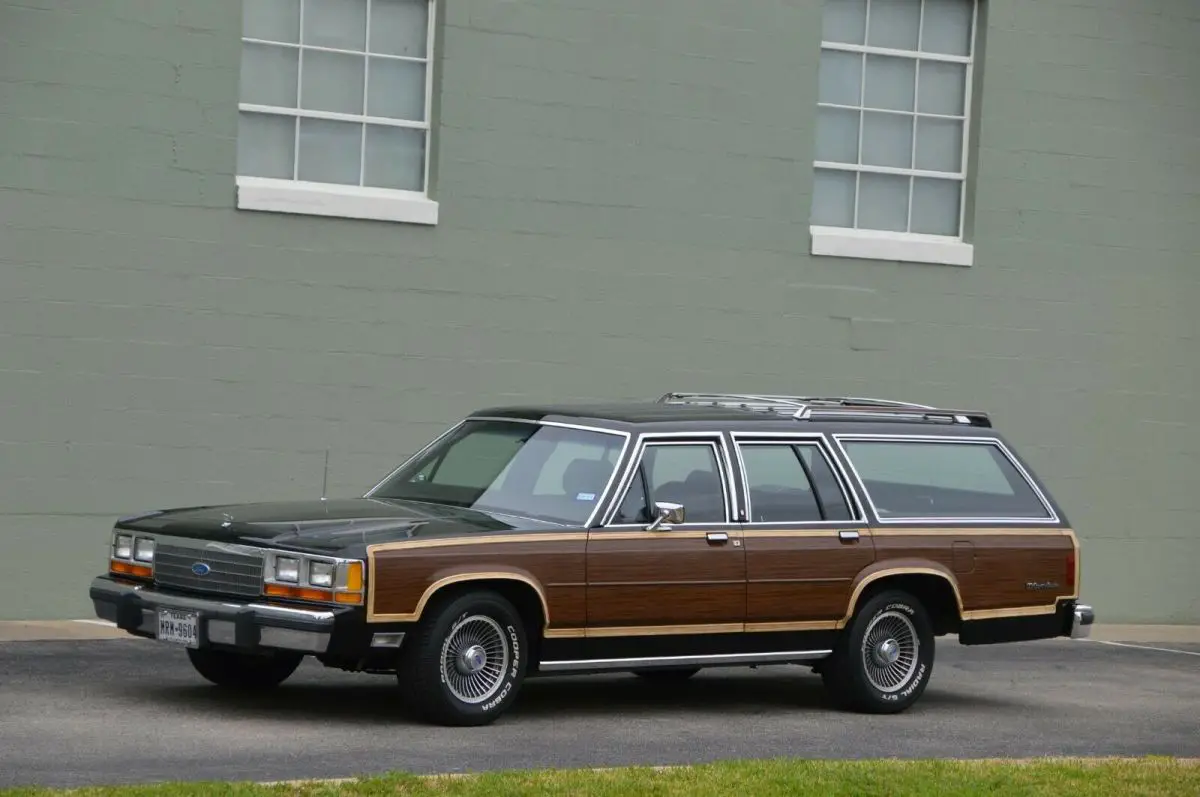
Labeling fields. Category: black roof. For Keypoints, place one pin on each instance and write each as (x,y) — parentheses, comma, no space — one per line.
(632,412)
(742,411)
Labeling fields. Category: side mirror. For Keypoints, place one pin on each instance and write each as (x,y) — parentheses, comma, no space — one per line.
(668,515)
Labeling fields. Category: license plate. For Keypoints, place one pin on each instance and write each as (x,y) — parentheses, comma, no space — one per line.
(179,628)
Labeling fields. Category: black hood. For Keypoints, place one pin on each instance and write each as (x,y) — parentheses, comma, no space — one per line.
(336,526)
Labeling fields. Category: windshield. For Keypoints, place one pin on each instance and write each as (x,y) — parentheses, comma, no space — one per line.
(543,472)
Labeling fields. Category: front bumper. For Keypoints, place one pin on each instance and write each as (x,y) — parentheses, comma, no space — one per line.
(1082,619)
(248,626)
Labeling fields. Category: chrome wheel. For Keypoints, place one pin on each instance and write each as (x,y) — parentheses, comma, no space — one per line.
(475,656)
(890,651)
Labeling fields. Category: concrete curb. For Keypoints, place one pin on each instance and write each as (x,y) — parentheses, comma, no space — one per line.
(57,630)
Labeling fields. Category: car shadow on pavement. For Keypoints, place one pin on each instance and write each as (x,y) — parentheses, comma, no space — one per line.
(376,700)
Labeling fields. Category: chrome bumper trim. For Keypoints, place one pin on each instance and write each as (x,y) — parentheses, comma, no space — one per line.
(134,608)
(1081,622)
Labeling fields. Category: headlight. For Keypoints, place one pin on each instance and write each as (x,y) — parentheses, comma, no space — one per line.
(287,569)
(320,574)
(123,546)
(143,550)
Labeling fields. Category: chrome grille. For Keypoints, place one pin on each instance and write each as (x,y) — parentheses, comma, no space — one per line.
(230,573)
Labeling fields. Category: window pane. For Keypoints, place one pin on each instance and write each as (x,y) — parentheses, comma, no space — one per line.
(895,24)
(944,480)
(939,144)
(887,139)
(890,82)
(399,27)
(633,508)
(395,158)
(837,135)
(833,198)
(883,204)
(273,20)
(946,28)
(329,151)
(266,145)
(828,488)
(688,475)
(840,78)
(779,488)
(332,82)
(341,24)
(935,206)
(943,88)
(396,89)
(844,21)
(512,468)
(268,75)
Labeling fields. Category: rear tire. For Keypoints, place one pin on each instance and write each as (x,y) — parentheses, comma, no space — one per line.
(466,661)
(667,674)
(244,671)
(882,661)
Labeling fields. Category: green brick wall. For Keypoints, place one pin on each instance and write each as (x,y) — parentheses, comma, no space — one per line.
(624,193)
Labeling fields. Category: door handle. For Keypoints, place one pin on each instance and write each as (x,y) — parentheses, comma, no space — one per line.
(718,537)
(848,535)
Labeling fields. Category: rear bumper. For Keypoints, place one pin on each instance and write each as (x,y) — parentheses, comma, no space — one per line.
(1082,619)
(1069,619)
(248,626)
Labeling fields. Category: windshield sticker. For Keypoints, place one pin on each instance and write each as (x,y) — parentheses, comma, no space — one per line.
(585,497)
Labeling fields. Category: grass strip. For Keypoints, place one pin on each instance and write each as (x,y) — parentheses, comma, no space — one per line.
(1151,776)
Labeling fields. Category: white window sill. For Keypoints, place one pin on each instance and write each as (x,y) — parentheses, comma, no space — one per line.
(344,201)
(904,247)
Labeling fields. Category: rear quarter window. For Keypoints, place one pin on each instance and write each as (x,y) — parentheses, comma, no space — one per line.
(927,479)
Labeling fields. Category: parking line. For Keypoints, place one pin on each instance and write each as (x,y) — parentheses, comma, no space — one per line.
(104,623)
(1144,647)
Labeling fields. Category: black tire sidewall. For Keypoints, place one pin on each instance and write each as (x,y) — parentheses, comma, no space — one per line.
(864,693)
(492,605)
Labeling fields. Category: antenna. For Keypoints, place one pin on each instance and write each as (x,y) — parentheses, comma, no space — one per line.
(325,476)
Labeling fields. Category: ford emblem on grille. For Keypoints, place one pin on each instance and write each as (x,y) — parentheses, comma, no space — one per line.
(201,569)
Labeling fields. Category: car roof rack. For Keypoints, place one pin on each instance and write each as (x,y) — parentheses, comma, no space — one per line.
(804,408)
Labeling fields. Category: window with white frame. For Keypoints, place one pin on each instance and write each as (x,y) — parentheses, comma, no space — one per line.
(334,107)
(894,102)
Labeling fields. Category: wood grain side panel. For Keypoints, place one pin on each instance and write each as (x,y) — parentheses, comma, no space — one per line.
(401,577)
(801,576)
(666,578)
(994,569)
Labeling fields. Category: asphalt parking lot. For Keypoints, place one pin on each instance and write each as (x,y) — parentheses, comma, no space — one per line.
(125,710)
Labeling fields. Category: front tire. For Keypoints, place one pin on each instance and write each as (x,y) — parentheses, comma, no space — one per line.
(466,661)
(244,671)
(883,659)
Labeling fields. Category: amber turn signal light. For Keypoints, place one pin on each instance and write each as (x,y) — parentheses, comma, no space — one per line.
(299,593)
(354,579)
(129,569)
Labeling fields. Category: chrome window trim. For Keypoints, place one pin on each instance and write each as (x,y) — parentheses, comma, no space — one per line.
(715,439)
(857,512)
(540,422)
(1052,520)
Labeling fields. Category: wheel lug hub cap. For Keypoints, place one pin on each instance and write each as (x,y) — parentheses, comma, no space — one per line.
(472,660)
(887,652)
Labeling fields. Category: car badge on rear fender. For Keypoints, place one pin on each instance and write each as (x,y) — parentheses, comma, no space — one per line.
(201,569)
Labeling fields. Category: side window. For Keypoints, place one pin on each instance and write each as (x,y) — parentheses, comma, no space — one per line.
(922,479)
(779,487)
(833,500)
(686,474)
(791,484)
